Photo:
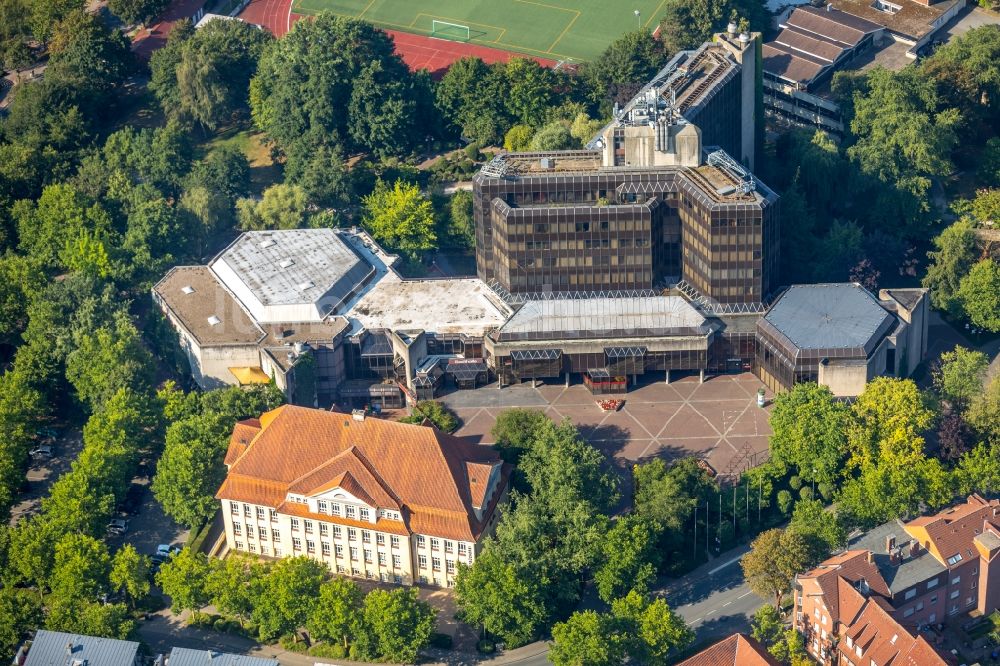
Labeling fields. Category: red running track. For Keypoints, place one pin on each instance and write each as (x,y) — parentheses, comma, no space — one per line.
(418,51)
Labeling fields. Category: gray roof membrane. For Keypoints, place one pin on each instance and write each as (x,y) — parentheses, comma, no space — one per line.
(286,267)
(829,316)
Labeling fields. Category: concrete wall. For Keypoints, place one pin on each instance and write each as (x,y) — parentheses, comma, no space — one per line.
(844,378)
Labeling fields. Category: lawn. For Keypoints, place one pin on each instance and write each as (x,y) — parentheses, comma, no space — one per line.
(571,30)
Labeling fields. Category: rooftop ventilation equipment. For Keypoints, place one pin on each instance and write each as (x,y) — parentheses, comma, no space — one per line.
(286,263)
(187,289)
(548,163)
(308,284)
(213,320)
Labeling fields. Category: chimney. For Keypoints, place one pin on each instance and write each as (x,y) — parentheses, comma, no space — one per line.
(829,7)
(871,557)
(890,543)
(914,547)
(894,556)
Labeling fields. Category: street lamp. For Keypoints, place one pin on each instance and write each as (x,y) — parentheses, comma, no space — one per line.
(638,19)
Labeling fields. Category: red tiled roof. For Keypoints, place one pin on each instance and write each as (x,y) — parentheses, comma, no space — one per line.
(851,566)
(952,532)
(396,465)
(883,641)
(243,433)
(737,650)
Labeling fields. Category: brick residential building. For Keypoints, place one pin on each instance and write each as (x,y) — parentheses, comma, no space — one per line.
(369,498)
(917,573)
(737,650)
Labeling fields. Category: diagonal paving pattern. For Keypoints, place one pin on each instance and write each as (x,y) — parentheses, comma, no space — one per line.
(717,420)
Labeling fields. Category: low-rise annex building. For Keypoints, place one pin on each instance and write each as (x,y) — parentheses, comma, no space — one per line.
(737,650)
(369,498)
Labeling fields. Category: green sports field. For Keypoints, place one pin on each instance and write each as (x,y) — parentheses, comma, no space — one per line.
(572,30)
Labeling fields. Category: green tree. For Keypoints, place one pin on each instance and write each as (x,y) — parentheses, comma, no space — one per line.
(470,96)
(768,628)
(554,136)
(887,418)
(978,471)
(287,595)
(960,374)
(627,64)
(283,206)
(59,216)
(80,568)
(499,597)
(234,585)
(400,217)
(400,623)
(435,412)
(381,112)
(982,413)
(954,256)
(91,618)
(903,140)
(530,90)
(518,138)
(130,573)
(20,280)
(585,639)
(136,11)
(461,223)
(979,293)
(190,469)
(213,73)
(108,359)
(20,612)
(775,557)
(300,94)
(809,427)
(336,611)
(823,530)
(514,432)
(666,496)
(630,559)
(320,172)
(647,629)
(31,553)
(184,578)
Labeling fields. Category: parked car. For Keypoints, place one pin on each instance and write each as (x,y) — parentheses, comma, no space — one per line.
(41,451)
(164,552)
(118,526)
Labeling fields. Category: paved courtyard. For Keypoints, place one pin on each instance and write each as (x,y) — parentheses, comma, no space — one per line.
(717,421)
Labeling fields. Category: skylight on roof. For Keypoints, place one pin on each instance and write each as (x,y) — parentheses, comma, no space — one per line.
(187,289)
(308,284)
(957,557)
(286,263)
(266,243)
(213,320)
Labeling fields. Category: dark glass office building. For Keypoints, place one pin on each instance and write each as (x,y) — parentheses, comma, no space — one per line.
(656,199)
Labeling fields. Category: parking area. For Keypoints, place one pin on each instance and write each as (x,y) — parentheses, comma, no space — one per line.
(717,421)
(43,470)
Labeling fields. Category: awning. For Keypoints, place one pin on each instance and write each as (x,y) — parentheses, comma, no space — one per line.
(624,352)
(535,354)
(369,391)
(599,373)
(250,375)
(466,369)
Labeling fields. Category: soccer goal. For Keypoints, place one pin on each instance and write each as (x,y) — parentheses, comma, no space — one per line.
(453,31)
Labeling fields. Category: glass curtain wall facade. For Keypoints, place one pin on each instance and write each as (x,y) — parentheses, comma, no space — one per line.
(616,229)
